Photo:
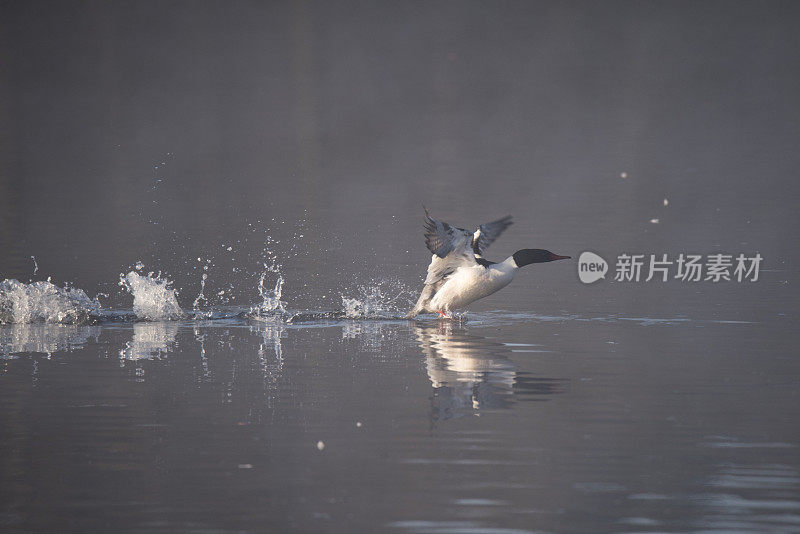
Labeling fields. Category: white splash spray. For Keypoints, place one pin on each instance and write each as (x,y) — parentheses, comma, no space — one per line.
(44,302)
(154,298)
(385,298)
(271,304)
(200,296)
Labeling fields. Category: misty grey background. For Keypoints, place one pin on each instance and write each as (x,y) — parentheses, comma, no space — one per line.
(312,133)
(341,119)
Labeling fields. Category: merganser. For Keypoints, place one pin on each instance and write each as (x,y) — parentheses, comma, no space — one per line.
(458,274)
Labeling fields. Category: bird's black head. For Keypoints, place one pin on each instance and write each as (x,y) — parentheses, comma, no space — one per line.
(526,256)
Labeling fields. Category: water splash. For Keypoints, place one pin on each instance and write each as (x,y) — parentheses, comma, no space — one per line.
(271,304)
(154,298)
(44,302)
(382,299)
(200,296)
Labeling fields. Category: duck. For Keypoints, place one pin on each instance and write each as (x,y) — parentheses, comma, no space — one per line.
(458,274)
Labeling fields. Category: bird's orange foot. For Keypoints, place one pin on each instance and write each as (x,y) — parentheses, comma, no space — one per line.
(444,315)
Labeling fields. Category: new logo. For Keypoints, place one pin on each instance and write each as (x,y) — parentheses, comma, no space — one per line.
(591,267)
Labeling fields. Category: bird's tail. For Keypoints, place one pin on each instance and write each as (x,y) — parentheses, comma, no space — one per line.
(422,302)
(415,311)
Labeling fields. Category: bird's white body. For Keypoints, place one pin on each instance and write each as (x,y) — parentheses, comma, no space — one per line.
(470,283)
(458,274)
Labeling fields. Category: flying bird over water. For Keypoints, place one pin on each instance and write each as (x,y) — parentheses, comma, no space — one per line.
(459,274)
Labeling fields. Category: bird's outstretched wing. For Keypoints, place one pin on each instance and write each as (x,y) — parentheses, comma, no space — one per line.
(442,238)
(451,248)
(488,232)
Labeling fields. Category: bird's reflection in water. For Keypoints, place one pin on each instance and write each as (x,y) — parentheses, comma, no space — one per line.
(470,373)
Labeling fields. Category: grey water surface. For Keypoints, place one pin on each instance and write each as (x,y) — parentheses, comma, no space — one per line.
(232,146)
